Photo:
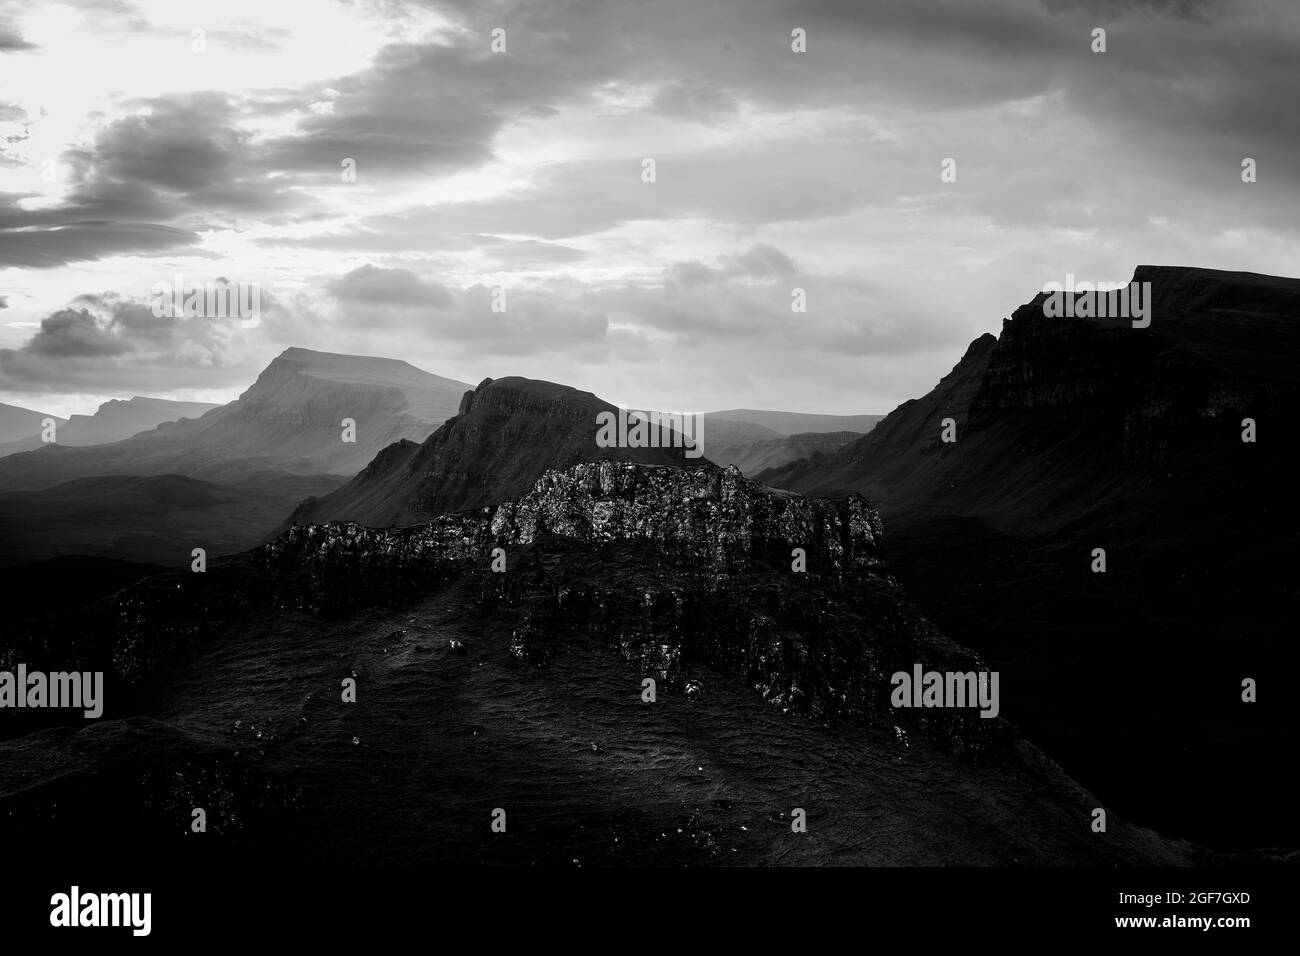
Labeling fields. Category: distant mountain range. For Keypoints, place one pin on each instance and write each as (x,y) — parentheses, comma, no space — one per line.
(1078,433)
(113,421)
(793,423)
(753,440)
(290,419)
(226,478)
(17,423)
(232,474)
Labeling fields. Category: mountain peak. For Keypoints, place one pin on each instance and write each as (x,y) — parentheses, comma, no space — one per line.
(508,432)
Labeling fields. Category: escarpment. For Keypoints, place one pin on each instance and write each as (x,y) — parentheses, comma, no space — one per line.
(684,571)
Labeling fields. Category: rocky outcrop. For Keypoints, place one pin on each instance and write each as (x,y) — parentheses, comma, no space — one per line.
(682,570)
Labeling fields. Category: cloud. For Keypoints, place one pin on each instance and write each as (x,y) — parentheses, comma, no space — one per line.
(696,101)
(370,285)
(775,169)
(526,321)
(75,334)
(79,241)
(109,343)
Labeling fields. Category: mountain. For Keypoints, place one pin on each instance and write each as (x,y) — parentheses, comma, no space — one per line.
(765,453)
(113,421)
(224,480)
(1074,434)
(792,423)
(754,440)
(290,420)
(507,432)
(17,423)
(522,689)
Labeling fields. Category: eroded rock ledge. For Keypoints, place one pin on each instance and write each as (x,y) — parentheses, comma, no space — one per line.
(687,572)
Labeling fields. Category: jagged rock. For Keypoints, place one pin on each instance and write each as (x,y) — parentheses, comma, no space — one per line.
(674,567)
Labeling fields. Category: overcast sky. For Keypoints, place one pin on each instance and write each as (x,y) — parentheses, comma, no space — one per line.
(128,156)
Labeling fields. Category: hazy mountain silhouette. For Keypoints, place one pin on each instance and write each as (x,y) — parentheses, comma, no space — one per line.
(754,457)
(793,423)
(289,419)
(222,481)
(753,440)
(17,423)
(113,421)
(1075,434)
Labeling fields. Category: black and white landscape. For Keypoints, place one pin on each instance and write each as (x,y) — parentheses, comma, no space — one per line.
(609,434)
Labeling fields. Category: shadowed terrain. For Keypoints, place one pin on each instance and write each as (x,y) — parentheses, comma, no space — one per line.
(1075,434)
(523,690)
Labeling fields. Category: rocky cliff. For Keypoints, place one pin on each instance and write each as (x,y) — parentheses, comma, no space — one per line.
(677,568)
(1074,434)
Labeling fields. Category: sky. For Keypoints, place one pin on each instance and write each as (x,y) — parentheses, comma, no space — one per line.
(464,185)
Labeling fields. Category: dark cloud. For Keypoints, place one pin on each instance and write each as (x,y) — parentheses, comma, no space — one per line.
(11,41)
(105,342)
(74,333)
(370,285)
(182,145)
(80,241)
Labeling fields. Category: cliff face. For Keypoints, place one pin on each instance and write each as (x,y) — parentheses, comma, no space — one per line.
(677,568)
(1059,415)
(1074,434)
(1221,347)
(506,433)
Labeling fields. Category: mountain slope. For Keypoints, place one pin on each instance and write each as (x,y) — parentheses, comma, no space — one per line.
(113,421)
(792,423)
(1075,434)
(507,433)
(17,423)
(775,452)
(290,419)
